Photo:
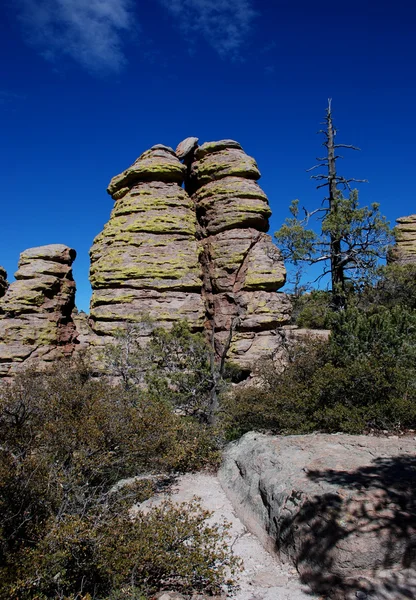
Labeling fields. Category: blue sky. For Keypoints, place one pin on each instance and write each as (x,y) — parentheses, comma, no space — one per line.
(88,85)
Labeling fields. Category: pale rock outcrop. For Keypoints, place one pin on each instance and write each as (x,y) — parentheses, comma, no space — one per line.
(35,312)
(404,252)
(3,282)
(341,508)
(145,261)
(242,267)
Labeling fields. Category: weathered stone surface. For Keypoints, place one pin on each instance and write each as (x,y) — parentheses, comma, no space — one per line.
(205,258)
(241,265)
(3,282)
(35,312)
(216,160)
(404,252)
(145,261)
(157,164)
(186,147)
(341,508)
(230,202)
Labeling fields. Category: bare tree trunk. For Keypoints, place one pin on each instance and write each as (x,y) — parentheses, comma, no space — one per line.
(337,270)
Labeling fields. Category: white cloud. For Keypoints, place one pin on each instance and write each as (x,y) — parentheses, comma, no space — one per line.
(89,31)
(225,24)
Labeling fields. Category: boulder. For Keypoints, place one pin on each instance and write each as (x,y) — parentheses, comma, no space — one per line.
(341,508)
(186,148)
(36,310)
(404,252)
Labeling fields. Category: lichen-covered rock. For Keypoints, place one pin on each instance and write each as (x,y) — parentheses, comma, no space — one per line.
(145,261)
(35,312)
(205,258)
(157,164)
(404,252)
(3,282)
(242,267)
(229,202)
(216,160)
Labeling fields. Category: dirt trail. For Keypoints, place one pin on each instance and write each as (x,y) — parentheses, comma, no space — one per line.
(263,577)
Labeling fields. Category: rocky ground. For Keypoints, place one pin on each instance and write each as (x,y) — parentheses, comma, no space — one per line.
(264,577)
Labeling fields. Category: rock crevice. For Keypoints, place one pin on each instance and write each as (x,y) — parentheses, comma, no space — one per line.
(187,240)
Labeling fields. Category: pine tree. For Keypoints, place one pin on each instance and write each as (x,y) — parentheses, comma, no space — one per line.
(351,240)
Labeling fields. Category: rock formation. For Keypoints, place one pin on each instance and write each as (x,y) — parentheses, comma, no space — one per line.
(35,312)
(242,268)
(341,508)
(145,261)
(3,282)
(185,240)
(404,252)
(199,253)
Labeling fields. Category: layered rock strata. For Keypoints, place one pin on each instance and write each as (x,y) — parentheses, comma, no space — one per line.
(242,268)
(35,312)
(404,252)
(3,282)
(145,261)
(199,253)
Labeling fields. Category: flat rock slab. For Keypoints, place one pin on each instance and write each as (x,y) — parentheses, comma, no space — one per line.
(264,577)
(339,508)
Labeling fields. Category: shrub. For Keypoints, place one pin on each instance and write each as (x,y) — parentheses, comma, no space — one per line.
(363,377)
(67,438)
(313,310)
(170,546)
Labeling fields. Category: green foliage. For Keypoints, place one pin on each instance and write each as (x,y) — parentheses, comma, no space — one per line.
(174,365)
(363,234)
(67,438)
(313,310)
(395,285)
(363,377)
(170,546)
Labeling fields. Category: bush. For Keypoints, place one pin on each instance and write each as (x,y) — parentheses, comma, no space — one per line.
(171,546)
(313,310)
(363,377)
(395,286)
(67,438)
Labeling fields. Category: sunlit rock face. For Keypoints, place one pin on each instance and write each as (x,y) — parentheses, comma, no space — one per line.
(242,268)
(36,323)
(198,252)
(186,239)
(145,261)
(404,252)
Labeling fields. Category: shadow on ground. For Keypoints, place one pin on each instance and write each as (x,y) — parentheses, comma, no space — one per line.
(360,541)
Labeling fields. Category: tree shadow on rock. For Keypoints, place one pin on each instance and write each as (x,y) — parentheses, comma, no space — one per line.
(358,541)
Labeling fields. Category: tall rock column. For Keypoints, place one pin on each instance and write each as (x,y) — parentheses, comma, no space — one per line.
(404,252)
(36,310)
(145,261)
(242,267)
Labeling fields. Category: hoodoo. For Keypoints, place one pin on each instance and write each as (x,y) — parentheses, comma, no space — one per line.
(36,311)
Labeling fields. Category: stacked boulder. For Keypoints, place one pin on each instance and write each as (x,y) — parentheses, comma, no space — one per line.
(3,282)
(242,268)
(404,252)
(145,261)
(35,312)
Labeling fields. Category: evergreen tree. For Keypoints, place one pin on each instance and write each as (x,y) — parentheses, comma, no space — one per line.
(351,239)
